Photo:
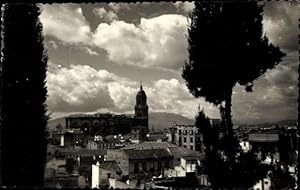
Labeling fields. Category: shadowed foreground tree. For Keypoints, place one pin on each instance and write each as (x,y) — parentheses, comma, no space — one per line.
(226,47)
(241,174)
(24,62)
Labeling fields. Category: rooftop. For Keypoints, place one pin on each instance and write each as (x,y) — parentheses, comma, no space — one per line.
(150,145)
(108,115)
(81,152)
(263,137)
(110,165)
(180,152)
(175,151)
(147,154)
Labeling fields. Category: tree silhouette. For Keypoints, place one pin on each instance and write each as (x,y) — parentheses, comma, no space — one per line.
(24,119)
(223,174)
(226,47)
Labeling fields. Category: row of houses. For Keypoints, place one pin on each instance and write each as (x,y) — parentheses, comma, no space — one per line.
(280,143)
(127,165)
(145,161)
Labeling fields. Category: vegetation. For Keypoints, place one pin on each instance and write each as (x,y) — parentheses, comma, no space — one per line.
(226,49)
(244,172)
(24,119)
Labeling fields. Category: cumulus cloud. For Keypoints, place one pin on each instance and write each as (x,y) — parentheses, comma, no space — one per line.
(174,97)
(282,76)
(155,42)
(280,23)
(102,13)
(51,44)
(274,97)
(123,95)
(184,6)
(118,6)
(89,50)
(65,22)
(79,88)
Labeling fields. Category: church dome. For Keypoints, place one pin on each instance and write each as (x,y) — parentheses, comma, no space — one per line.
(141,98)
(141,92)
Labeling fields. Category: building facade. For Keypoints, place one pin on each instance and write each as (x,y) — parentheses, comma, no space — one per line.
(186,136)
(110,124)
(140,130)
(136,163)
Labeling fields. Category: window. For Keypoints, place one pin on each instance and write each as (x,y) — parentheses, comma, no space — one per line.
(167,165)
(179,131)
(192,147)
(152,166)
(191,132)
(191,139)
(185,132)
(184,139)
(144,166)
(136,168)
(199,138)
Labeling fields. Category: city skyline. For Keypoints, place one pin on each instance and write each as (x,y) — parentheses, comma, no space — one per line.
(99,53)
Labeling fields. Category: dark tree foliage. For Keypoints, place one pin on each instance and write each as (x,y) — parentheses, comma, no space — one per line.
(226,47)
(243,173)
(282,179)
(24,119)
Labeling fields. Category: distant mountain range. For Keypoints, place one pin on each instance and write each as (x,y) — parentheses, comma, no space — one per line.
(160,121)
(267,124)
(157,120)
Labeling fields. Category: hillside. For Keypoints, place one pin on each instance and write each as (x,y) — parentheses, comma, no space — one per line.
(157,121)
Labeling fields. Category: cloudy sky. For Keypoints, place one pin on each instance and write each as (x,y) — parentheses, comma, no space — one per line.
(99,53)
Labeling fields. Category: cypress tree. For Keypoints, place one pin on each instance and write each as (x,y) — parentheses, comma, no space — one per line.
(24,119)
(226,47)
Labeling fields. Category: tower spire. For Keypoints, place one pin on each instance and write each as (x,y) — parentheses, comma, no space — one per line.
(141,85)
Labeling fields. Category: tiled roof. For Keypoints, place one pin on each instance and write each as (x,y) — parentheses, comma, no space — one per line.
(175,151)
(179,152)
(147,154)
(263,137)
(81,152)
(110,165)
(150,145)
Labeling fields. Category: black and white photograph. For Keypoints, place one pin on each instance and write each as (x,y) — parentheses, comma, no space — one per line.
(150,95)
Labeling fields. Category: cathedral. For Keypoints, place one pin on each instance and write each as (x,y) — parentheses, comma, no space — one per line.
(140,129)
(110,124)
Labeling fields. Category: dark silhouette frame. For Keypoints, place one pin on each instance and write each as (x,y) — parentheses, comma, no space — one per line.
(119,1)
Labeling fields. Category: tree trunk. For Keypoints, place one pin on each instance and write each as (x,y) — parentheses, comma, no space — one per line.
(230,147)
(228,119)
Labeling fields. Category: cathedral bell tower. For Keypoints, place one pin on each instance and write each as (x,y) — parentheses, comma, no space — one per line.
(140,129)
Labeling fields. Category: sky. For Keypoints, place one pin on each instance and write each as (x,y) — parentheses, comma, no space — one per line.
(99,53)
